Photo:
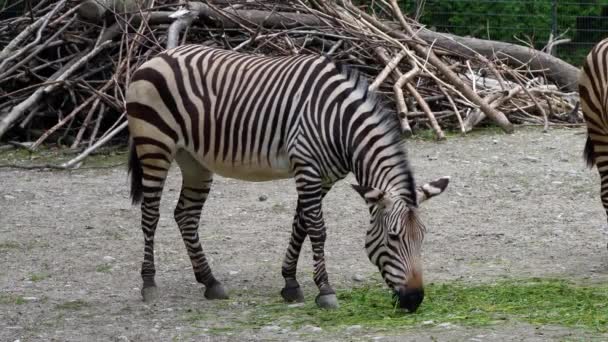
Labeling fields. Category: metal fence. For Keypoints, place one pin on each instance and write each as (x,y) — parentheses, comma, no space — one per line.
(533,22)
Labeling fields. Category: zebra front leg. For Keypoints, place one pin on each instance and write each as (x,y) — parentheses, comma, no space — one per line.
(310,196)
(292,291)
(195,189)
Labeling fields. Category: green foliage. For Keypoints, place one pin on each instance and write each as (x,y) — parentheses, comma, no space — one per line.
(513,20)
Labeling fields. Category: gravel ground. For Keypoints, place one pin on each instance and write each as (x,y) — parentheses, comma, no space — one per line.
(518,205)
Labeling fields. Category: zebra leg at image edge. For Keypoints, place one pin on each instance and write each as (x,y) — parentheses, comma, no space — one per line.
(292,292)
(195,189)
(603,163)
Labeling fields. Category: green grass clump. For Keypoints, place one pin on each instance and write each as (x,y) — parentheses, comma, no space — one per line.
(73,305)
(535,301)
(35,277)
(104,268)
(10,299)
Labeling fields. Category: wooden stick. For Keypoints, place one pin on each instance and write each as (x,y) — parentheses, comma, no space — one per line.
(454,108)
(495,115)
(388,69)
(73,162)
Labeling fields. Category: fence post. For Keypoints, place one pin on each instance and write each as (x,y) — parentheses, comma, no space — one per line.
(553,22)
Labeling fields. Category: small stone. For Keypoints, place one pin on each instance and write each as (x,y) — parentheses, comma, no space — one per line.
(430,322)
(377,338)
(494,141)
(515,190)
(262,198)
(358,278)
(531,159)
(88,227)
(233,272)
(122,338)
(432,157)
(30,299)
(353,328)
(446,325)
(295,305)
(108,258)
(270,328)
(310,329)
(9,197)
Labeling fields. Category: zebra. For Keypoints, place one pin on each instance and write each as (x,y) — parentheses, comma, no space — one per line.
(259,118)
(593,90)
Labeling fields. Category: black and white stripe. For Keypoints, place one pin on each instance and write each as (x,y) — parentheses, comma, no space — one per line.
(262,118)
(593,89)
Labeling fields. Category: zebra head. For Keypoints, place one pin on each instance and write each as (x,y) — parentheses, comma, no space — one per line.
(394,240)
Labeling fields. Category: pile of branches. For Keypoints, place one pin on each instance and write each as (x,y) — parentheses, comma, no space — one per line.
(65,64)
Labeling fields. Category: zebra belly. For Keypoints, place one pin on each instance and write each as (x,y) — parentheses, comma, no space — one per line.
(250,170)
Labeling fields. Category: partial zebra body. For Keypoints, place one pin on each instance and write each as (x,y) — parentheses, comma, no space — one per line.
(259,118)
(593,89)
(241,137)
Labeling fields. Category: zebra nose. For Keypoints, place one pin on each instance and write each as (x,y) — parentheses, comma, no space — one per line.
(410,299)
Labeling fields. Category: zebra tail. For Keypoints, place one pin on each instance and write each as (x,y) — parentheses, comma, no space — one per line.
(136,172)
(588,153)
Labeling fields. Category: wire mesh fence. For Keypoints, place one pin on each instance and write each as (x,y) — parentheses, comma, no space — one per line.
(532,22)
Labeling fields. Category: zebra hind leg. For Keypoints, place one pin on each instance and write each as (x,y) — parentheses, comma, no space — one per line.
(149,167)
(292,292)
(196,183)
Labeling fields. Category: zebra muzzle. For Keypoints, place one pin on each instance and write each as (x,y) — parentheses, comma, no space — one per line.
(409,299)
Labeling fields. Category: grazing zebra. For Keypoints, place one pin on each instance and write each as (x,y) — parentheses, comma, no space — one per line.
(593,89)
(261,118)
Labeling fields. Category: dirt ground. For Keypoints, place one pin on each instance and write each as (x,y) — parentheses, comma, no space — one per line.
(518,205)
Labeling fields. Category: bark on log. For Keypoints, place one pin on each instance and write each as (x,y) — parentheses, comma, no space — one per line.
(95,11)
(562,73)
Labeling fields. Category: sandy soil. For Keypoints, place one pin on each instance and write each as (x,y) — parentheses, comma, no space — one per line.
(70,244)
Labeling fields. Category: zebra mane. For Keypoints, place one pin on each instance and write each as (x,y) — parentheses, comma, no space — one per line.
(388,117)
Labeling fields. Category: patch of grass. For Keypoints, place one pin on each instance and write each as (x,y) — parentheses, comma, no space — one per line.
(491,130)
(8,245)
(535,301)
(105,157)
(10,299)
(105,268)
(78,304)
(35,277)
(279,208)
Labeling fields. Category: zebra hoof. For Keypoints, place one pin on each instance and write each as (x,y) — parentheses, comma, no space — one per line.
(292,294)
(328,301)
(216,291)
(150,293)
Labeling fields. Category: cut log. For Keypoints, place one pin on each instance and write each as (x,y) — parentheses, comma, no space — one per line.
(562,73)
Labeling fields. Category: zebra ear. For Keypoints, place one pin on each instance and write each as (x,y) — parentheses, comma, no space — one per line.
(371,195)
